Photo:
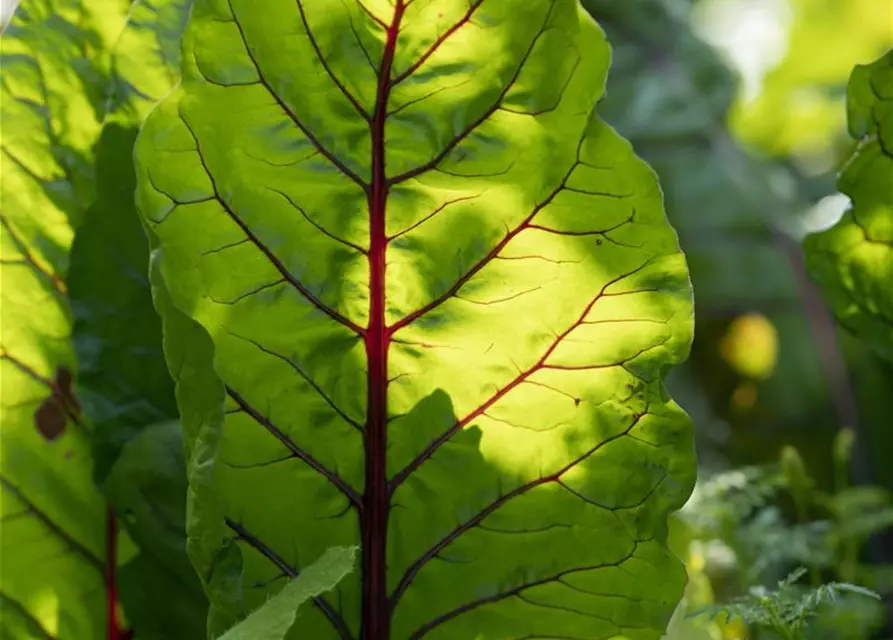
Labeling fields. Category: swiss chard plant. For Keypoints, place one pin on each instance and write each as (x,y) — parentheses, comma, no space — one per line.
(388,283)
(93,485)
(853,261)
(431,299)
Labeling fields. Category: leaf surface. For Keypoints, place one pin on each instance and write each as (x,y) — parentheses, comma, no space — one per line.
(274,618)
(70,70)
(442,295)
(52,539)
(853,261)
(124,384)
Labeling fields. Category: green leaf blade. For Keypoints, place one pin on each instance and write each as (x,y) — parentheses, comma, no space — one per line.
(274,619)
(853,261)
(442,296)
(54,519)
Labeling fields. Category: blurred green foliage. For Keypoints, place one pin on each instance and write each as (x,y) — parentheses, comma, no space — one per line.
(742,174)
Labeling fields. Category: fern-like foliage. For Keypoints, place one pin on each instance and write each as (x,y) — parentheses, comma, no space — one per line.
(785,611)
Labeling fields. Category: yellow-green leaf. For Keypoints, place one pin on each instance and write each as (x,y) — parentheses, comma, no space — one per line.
(853,261)
(442,296)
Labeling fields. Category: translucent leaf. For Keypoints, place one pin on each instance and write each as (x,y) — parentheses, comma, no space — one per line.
(442,295)
(853,261)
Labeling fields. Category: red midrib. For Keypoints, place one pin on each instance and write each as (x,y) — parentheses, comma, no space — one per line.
(376,616)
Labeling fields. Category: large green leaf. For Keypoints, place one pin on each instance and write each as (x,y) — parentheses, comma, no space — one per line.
(441,295)
(853,261)
(200,396)
(68,70)
(52,576)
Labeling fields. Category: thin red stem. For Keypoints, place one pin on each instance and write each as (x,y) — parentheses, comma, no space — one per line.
(111,586)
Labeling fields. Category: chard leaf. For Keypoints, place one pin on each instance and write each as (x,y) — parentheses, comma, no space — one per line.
(71,69)
(124,384)
(274,618)
(200,397)
(440,295)
(853,261)
(52,539)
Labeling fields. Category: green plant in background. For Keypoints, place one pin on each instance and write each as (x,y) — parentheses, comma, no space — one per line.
(787,610)
(735,517)
(853,261)
(795,110)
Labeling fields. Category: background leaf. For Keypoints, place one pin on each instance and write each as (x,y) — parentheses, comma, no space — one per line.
(160,592)
(125,385)
(853,261)
(52,540)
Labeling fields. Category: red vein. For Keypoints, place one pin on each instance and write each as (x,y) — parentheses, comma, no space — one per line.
(318,226)
(418,313)
(24,368)
(434,213)
(29,617)
(91,558)
(446,617)
(469,524)
(258,545)
(369,13)
(376,614)
(429,451)
(474,125)
(436,45)
(60,398)
(305,376)
(55,280)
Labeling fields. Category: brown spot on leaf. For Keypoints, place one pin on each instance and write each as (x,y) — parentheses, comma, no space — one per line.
(54,412)
(50,419)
